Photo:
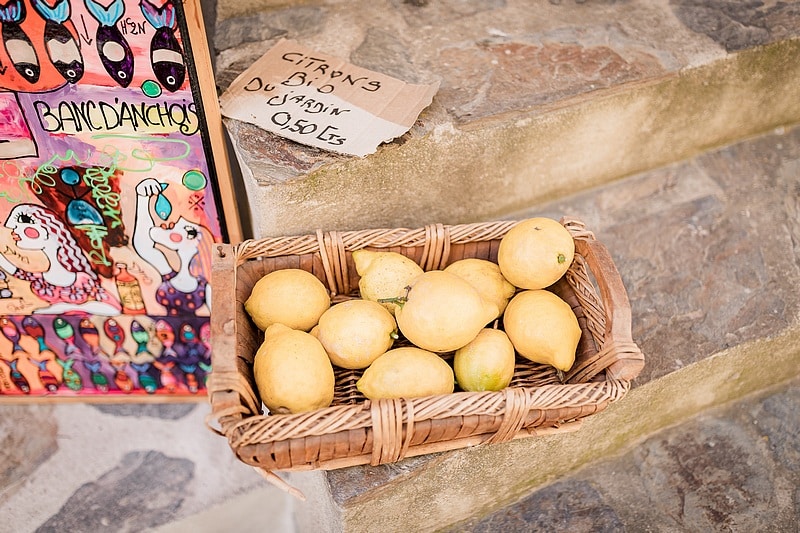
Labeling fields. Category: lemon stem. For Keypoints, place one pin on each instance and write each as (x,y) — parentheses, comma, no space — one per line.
(394,335)
(397,300)
(561,258)
(561,375)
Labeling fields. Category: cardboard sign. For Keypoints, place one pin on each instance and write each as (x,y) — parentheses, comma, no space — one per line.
(110,200)
(319,100)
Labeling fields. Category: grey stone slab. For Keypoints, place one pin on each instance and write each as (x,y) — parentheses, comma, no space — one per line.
(145,489)
(707,248)
(738,25)
(731,469)
(164,411)
(570,505)
(28,438)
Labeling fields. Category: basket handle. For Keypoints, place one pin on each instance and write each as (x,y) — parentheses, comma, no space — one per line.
(222,302)
(629,359)
(230,397)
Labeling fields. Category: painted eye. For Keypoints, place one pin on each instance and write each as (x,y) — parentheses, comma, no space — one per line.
(25,218)
(171,80)
(70,73)
(122,74)
(192,233)
(29,72)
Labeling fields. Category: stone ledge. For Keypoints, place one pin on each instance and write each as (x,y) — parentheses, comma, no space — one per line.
(735,466)
(505,163)
(530,107)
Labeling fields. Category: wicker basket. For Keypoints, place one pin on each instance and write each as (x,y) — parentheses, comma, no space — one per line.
(354,430)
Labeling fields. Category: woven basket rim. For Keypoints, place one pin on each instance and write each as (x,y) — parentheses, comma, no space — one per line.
(390,425)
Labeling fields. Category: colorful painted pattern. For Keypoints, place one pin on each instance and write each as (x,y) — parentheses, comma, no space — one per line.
(107,204)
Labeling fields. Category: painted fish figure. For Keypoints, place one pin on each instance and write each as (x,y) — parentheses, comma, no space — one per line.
(166,335)
(114,50)
(139,334)
(205,338)
(35,329)
(17,377)
(166,53)
(98,378)
(142,360)
(48,379)
(191,356)
(166,361)
(62,46)
(10,331)
(70,377)
(114,332)
(120,358)
(17,43)
(89,334)
(66,332)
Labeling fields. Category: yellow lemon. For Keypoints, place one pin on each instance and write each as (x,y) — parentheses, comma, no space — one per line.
(486,277)
(292,371)
(356,332)
(291,297)
(543,328)
(442,312)
(535,253)
(406,372)
(486,363)
(384,275)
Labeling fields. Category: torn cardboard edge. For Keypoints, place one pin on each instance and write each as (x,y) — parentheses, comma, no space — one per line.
(323,101)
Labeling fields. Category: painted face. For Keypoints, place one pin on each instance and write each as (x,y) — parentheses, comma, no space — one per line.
(27,230)
(182,236)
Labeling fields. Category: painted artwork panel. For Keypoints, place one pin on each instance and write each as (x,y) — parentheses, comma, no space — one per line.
(108,202)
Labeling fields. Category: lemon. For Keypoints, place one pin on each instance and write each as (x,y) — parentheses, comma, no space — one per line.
(292,297)
(406,372)
(486,277)
(486,363)
(535,253)
(356,332)
(442,312)
(543,328)
(384,275)
(292,371)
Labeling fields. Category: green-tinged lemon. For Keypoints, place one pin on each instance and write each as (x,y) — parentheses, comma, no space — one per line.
(486,363)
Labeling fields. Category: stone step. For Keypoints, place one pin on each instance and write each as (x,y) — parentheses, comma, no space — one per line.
(536,101)
(709,251)
(730,468)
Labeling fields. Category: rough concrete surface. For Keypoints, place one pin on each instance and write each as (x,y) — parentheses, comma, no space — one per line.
(536,100)
(734,468)
(127,468)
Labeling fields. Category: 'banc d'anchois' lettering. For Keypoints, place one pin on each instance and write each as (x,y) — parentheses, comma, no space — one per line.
(104,116)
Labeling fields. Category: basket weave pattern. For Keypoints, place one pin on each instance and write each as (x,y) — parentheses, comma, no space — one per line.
(354,430)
